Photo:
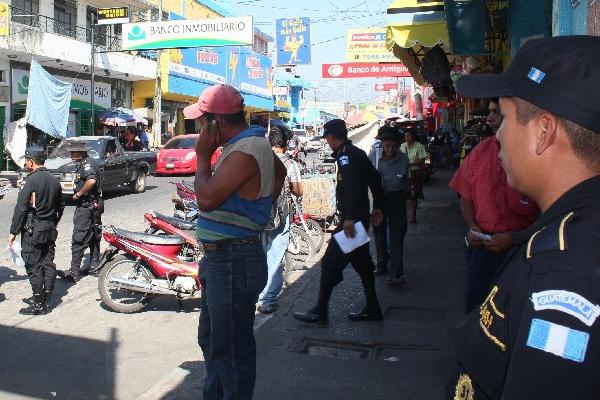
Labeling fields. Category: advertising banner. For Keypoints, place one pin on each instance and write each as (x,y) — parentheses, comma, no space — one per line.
(293,41)
(188,33)
(367,45)
(364,70)
(113,15)
(80,90)
(385,87)
(244,69)
(280,91)
(4,19)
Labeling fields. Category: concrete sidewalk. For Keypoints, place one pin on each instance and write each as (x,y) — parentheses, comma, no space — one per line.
(406,356)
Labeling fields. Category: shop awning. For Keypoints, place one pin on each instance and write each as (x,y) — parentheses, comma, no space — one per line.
(413,6)
(410,40)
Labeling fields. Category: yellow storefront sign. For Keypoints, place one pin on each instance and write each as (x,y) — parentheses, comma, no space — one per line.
(4,19)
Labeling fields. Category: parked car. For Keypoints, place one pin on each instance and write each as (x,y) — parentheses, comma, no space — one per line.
(179,157)
(118,167)
(315,143)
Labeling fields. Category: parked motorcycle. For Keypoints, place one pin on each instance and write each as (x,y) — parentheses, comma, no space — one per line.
(175,226)
(148,266)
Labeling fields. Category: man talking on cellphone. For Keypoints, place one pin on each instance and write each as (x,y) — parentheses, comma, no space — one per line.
(235,204)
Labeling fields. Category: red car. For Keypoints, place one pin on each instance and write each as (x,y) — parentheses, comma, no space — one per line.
(179,157)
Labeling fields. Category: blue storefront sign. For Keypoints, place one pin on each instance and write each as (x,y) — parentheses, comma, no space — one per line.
(194,69)
(293,41)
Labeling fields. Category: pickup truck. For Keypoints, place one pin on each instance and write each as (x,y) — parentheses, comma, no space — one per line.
(118,167)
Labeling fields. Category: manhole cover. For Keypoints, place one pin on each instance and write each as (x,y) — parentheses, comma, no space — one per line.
(335,350)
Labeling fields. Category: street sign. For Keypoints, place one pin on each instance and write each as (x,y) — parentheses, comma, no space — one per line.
(385,87)
(367,45)
(185,33)
(113,15)
(364,70)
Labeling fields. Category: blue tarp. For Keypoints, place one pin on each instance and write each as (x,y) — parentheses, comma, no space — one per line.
(48,102)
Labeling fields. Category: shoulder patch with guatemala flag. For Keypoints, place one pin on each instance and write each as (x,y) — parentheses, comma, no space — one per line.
(559,340)
(567,302)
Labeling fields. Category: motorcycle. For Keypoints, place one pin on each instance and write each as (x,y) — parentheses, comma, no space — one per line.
(149,266)
(175,226)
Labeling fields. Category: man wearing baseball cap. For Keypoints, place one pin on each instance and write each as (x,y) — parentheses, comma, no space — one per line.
(536,335)
(235,205)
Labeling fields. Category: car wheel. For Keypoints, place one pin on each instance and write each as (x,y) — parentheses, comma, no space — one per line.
(139,185)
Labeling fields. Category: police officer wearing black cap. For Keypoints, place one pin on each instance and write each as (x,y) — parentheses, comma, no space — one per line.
(355,176)
(87,220)
(38,210)
(537,334)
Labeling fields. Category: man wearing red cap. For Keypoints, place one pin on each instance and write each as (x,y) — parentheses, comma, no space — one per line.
(235,204)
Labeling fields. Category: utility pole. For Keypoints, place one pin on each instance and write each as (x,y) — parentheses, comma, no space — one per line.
(92,77)
(157,127)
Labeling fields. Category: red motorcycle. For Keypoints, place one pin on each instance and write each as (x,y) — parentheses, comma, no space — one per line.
(148,266)
(174,226)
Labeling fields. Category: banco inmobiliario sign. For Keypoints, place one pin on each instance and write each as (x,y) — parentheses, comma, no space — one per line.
(175,34)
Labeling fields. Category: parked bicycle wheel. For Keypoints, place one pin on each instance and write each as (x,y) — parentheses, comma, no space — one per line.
(300,248)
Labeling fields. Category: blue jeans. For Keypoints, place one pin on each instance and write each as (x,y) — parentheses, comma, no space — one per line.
(275,244)
(231,278)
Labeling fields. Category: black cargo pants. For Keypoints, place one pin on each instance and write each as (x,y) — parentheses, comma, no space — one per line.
(37,250)
(86,233)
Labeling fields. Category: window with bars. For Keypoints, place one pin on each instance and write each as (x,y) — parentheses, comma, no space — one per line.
(65,17)
(25,11)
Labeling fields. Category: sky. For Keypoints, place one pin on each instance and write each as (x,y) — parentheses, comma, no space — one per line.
(330,19)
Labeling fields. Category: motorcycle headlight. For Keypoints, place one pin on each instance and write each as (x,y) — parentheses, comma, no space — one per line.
(189,156)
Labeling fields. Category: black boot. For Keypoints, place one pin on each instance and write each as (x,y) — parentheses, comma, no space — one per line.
(372,311)
(37,308)
(68,275)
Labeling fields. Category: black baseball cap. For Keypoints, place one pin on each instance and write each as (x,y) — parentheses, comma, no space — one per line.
(36,154)
(336,127)
(558,74)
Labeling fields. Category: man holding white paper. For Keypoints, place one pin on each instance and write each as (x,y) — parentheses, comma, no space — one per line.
(355,176)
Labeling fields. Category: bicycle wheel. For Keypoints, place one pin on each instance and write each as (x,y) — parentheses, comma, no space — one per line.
(316,233)
(300,248)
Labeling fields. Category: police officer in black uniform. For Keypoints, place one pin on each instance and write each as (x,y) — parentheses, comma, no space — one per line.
(38,210)
(537,334)
(355,176)
(87,220)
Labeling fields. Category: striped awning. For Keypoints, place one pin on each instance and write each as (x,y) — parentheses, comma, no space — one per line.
(414,6)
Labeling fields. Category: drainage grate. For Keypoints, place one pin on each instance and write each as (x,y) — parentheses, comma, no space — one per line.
(335,350)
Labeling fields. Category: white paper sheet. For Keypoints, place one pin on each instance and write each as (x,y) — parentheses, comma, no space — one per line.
(15,254)
(349,244)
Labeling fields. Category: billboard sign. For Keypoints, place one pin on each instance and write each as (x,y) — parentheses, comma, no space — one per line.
(280,91)
(293,41)
(244,69)
(385,87)
(364,70)
(367,45)
(113,15)
(188,33)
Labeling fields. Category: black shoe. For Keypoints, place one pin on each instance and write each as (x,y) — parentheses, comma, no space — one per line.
(47,297)
(311,316)
(268,309)
(68,276)
(366,315)
(37,308)
(380,271)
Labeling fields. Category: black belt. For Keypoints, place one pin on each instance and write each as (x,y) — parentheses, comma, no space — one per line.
(218,244)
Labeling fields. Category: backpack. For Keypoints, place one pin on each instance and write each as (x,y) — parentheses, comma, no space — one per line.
(280,208)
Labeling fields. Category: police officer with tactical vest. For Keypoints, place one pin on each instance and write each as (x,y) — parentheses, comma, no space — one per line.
(38,210)
(537,334)
(87,220)
(356,175)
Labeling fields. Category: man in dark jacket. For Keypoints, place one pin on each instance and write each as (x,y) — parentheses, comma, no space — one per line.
(38,210)
(356,175)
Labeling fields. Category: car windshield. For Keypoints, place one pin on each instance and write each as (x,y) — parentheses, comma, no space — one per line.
(181,143)
(316,139)
(61,151)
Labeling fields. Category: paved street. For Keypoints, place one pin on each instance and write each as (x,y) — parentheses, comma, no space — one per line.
(81,350)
